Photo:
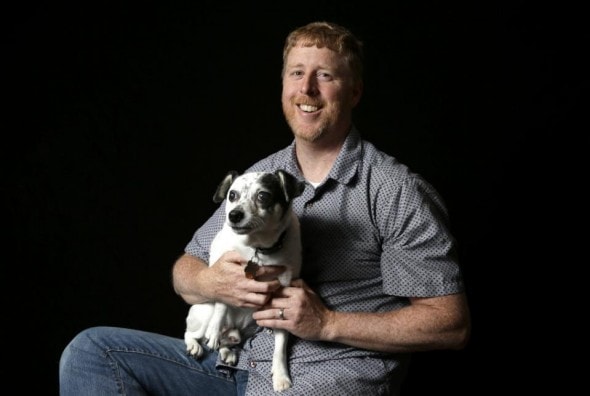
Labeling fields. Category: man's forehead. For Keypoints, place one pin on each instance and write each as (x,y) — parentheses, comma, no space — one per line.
(302,52)
(314,57)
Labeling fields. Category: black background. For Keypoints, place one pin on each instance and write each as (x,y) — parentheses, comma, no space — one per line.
(122,118)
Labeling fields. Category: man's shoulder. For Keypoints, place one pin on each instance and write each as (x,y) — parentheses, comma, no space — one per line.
(383,170)
(380,163)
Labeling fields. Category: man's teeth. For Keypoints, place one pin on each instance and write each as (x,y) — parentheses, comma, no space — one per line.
(308,108)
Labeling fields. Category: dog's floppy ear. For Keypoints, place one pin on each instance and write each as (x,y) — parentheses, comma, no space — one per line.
(291,186)
(224,186)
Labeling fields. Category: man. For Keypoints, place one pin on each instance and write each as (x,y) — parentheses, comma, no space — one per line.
(380,278)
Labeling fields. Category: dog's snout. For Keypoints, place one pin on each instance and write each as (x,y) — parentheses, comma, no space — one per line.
(235,216)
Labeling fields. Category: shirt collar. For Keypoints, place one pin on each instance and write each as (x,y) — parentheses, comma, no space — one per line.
(346,165)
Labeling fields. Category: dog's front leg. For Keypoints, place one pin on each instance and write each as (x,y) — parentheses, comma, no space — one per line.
(213,334)
(197,321)
(193,347)
(280,372)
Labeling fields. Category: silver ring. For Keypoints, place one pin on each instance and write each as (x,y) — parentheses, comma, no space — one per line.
(282,314)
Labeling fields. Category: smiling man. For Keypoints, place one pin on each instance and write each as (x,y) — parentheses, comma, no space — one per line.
(380,277)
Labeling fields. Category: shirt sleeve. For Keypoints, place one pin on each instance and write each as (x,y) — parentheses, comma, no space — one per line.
(419,254)
(200,243)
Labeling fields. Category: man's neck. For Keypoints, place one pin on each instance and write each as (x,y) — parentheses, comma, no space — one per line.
(317,158)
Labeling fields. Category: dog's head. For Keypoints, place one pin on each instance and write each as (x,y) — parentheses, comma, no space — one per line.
(257,201)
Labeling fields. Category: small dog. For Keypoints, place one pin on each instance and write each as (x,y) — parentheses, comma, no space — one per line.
(261,225)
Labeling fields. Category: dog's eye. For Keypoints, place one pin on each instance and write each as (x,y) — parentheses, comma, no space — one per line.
(263,197)
(233,196)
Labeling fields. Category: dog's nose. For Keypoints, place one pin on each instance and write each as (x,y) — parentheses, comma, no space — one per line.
(235,216)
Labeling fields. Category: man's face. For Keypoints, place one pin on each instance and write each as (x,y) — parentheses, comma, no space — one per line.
(318,93)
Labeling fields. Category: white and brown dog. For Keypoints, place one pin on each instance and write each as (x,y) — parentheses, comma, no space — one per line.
(260,225)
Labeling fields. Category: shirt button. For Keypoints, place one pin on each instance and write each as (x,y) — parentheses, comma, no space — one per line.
(252,363)
(269,331)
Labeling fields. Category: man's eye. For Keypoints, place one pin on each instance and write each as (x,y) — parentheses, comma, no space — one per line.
(233,196)
(263,197)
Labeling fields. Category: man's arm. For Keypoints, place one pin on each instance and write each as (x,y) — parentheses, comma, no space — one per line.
(196,282)
(426,324)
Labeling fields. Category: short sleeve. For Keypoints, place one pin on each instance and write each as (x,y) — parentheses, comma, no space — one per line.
(419,254)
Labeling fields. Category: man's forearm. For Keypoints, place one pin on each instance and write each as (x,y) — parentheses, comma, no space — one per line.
(419,327)
(184,278)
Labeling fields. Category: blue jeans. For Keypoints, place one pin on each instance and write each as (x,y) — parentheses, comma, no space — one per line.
(116,361)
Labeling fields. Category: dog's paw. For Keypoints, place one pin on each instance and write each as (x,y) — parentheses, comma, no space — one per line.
(280,375)
(193,348)
(281,383)
(213,342)
(228,356)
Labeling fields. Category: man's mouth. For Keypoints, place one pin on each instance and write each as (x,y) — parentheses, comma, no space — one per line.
(308,108)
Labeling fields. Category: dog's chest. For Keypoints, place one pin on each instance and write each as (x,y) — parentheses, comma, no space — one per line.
(222,244)
(227,240)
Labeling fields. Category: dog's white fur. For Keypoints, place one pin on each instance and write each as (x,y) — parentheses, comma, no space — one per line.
(258,215)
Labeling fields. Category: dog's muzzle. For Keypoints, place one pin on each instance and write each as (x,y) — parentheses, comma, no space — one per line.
(235,216)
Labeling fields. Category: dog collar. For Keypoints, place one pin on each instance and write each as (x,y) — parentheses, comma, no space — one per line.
(252,268)
(274,248)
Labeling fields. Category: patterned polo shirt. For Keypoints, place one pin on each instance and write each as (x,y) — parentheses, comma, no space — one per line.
(373,234)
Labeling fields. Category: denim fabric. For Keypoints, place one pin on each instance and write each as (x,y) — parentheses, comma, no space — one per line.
(99,361)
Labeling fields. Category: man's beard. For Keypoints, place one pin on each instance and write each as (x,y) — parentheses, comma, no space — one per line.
(309,133)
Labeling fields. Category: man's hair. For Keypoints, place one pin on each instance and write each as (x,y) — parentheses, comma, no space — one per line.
(332,36)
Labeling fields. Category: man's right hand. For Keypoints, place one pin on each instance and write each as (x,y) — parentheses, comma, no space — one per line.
(225,281)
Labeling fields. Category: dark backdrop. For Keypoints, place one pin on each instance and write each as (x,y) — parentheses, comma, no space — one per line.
(123,117)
